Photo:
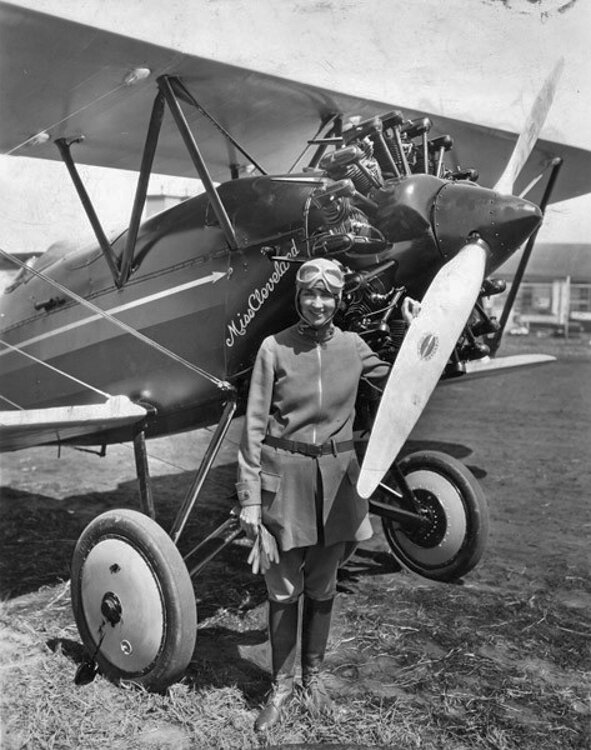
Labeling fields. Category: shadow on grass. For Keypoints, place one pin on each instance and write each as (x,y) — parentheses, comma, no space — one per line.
(74,650)
(224,657)
(218,660)
(38,533)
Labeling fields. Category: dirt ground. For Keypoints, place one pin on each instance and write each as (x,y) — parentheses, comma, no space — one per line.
(526,437)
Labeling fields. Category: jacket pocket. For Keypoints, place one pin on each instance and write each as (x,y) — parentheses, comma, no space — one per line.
(270,482)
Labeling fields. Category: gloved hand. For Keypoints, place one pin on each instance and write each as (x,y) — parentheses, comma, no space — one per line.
(410,309)
(264,551)
(250,519)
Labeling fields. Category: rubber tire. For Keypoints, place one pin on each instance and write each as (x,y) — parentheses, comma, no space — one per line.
(146,545)
(467,518)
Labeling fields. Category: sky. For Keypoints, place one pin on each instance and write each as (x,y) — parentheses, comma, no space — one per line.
(480,60)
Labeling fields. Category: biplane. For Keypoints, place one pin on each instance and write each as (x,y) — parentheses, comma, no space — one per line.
(153,329)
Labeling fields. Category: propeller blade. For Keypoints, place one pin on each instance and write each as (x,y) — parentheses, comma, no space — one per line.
(531,131)
(426,348)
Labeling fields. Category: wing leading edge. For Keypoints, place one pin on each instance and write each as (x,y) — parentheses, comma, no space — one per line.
(487,366)
(67,79)
(30,427)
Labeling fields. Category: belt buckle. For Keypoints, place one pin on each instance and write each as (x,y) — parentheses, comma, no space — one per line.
(333,446)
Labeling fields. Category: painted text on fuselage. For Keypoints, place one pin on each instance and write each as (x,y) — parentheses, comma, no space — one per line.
(256,299)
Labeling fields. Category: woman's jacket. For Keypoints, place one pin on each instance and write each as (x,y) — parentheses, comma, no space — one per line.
(304,388)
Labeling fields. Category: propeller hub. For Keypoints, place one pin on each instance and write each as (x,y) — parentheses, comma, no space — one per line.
(503,221)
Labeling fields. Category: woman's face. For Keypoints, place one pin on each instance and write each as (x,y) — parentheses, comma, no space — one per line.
(317,306)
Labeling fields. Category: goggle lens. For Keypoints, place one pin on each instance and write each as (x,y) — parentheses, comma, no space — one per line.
(310,273)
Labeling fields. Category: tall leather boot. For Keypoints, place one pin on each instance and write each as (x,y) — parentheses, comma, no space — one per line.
(283,635)
(315,629)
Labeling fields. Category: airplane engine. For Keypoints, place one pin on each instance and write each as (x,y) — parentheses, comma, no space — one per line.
(346,232)
(371,310)
(356,163)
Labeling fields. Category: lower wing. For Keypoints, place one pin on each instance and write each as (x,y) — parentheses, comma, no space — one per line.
(26,428)
(481,368)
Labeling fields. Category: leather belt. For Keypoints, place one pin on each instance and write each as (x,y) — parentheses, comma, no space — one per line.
(310,449)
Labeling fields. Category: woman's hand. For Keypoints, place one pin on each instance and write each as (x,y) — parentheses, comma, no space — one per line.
(250,519)
(410,309)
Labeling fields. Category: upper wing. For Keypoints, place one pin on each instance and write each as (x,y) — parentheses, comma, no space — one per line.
(67,79)
(29,427)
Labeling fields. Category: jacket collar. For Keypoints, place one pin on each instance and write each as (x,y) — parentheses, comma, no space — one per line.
(317,335)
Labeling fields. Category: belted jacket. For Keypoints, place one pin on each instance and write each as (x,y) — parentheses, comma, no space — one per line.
(303,388)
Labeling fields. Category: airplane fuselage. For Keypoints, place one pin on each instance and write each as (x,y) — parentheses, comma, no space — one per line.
(213,306)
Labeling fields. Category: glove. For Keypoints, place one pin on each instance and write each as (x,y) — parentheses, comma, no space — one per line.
(264,551)
(269,549)
(250,520)
(410,309)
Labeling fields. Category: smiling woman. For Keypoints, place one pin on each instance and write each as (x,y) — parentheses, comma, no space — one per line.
(297,470)
(317,306)
(319,285)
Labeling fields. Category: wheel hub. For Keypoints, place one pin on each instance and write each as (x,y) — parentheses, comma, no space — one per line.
(111,608)
(432,531)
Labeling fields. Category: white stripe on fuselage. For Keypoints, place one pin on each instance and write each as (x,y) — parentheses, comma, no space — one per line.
(213,277)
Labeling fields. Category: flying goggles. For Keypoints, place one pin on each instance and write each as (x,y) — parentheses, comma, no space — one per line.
(321,271)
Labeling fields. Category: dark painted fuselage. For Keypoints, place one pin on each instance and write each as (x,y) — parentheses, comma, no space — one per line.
(211,305)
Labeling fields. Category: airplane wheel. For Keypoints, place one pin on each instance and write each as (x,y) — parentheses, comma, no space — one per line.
(451,498)
(133,600)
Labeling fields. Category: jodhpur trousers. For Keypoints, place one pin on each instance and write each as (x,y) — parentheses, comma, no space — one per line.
(311,571)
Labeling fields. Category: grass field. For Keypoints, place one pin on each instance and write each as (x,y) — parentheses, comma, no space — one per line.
(502,662)
(411,665)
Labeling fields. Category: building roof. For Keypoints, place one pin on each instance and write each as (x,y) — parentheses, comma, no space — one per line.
(553,260)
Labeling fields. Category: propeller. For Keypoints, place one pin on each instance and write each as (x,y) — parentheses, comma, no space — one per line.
(445,309)
(426,348)
(506,182)
(530,132)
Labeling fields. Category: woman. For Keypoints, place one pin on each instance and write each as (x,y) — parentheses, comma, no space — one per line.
(297,471)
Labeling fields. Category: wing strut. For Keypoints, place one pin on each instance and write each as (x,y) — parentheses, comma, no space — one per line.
(142,187)
(63,145)
(170,90)
(182,92)
(166,87)
(524,260)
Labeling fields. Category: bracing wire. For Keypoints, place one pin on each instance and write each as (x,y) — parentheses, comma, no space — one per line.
(55,369)
(64,119)
(119,323)
(12,403)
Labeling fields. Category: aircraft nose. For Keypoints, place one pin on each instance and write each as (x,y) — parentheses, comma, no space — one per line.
(515,219)
(504,221)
